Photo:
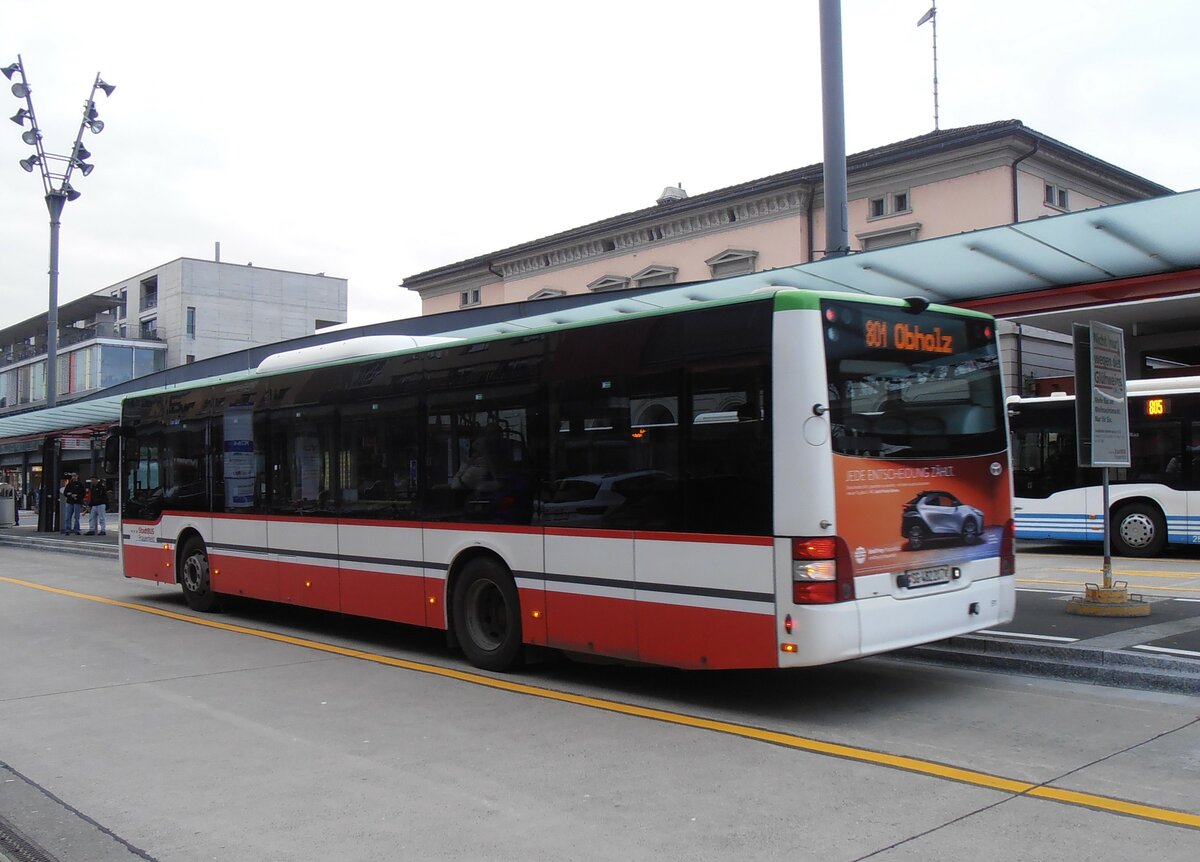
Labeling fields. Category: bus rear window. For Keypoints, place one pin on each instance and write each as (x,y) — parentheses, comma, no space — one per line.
(911,385)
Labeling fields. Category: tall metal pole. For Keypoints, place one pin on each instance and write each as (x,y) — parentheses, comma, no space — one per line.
(55,201)
(936,125)
(833,115)
(931,15)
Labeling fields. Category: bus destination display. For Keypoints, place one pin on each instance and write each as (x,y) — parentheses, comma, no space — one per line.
(1158,406)
(896,331)
(910,337)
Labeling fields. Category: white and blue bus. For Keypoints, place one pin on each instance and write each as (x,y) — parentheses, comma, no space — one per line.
(1153,503)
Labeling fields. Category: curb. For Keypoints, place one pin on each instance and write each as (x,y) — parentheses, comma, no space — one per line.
(1120,668)
(60,546)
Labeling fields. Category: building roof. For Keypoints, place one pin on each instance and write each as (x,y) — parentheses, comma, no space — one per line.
(1122,241)
(84,308)
(939,141)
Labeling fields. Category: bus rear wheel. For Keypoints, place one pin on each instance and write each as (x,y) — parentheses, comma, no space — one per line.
(487,615)
(1139,530)
(193,577)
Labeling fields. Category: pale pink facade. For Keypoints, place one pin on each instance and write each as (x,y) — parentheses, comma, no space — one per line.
(939,184)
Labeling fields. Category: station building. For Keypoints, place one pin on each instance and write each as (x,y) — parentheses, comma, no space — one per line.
(996,216)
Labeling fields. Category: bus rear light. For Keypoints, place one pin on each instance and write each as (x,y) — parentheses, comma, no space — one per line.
(821,573)
(786,647)
(1008,556)
(788,624)
(822,548)
(814,592)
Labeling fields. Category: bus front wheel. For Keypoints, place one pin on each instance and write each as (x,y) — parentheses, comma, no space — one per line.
(193,577)
(1139,530)
(487,615)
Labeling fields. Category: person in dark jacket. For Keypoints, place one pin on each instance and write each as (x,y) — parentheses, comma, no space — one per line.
(73,495)
(97,501)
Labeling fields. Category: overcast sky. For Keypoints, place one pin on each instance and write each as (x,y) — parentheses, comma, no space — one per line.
(372,140)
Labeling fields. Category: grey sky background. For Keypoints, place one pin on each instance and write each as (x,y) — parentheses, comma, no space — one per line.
(372,141)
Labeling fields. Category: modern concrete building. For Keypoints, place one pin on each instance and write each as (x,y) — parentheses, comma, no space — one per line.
(178,313)
(946,182)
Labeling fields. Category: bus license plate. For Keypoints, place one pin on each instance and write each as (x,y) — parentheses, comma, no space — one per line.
(927,577)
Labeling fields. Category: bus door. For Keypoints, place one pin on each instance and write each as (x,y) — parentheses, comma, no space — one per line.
(239,561)
(379,535)
(588,519)
(302,533)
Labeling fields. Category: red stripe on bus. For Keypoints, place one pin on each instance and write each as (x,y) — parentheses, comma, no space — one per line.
(674,635)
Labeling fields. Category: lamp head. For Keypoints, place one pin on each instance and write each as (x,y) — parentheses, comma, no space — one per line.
(107,88)
(9,69)
(28,163)
(20,90)
(30,137)
(19,117)
(71,194)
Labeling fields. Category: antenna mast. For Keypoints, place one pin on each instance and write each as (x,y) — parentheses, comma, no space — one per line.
(931,15)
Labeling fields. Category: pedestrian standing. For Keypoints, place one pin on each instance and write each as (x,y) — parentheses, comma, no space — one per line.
(98,497)
(73,494)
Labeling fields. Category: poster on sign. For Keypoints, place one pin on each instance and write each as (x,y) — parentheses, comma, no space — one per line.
(1101,410)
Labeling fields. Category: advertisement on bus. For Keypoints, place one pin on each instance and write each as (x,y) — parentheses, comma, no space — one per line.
(906,515)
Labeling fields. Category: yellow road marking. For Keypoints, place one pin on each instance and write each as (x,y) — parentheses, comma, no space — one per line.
(787,740)
(1081,584)
(1187,576)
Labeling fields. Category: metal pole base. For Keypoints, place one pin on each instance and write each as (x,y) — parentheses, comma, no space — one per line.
(1114,601)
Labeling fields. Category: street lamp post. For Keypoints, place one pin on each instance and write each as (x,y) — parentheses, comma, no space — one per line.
(56,183)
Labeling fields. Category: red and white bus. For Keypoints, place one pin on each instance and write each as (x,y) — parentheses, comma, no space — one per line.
(757,481)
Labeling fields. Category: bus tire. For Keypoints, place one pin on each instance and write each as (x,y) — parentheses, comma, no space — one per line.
(970,532)
(193,577)
(1139,530)
(487,615)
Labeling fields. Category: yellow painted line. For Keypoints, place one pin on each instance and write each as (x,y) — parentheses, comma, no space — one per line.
(1081,584)
(787,740)
(1187,576)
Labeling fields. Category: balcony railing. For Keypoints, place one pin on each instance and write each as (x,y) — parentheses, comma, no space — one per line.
(69,336)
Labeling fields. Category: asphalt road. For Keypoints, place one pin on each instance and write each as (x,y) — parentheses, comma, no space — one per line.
(131,728)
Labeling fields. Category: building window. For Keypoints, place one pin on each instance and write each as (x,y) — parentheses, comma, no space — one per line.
(469,297)
(1057,197)
(887,237)
(548,293)
(150,328)
(191,321)
(122,297)
(654,276)
(149,294)
(608,282)
(189,359)
(732,261)
(889,204)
